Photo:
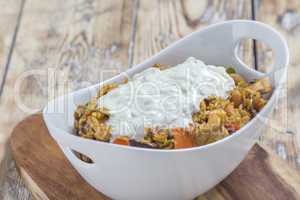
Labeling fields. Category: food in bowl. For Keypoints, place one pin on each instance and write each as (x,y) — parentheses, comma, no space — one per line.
(187,105)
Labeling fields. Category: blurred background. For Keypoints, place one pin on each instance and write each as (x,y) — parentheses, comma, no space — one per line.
(48,48)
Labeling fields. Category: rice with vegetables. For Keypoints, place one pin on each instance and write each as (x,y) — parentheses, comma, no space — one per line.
(217,114)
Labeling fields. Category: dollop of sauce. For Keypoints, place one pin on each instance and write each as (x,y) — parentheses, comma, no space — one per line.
(163,99)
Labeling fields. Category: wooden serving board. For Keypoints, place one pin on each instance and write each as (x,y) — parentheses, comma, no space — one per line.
(49,175)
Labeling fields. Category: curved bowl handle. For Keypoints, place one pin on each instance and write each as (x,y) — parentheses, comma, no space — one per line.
(76,162)
(245,29)
(69,143)
(215,44)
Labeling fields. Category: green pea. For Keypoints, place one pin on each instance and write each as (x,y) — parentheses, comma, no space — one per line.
(230,70)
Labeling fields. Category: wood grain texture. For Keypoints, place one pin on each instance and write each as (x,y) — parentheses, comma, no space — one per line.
(160,23)
(9,17)
(284,137)
(66,45)
(8,21)
(260,176)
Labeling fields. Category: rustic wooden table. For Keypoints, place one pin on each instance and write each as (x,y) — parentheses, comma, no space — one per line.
(75,40)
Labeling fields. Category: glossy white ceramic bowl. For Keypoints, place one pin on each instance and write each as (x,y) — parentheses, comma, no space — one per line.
(131,173)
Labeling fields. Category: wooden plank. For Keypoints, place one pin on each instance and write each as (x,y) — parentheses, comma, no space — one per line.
(171,20)
(260,176)
(283,16)
(62,46)
(75,41)
(8,20)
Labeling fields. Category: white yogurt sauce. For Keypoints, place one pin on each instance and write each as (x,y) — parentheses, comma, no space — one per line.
(167,98)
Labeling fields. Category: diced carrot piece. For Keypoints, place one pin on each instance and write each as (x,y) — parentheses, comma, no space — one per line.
(232,127)
(182,138)
(121,141)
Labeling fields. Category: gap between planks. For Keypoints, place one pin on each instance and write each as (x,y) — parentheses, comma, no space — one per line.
(254,46)
(133,32)
(12,45)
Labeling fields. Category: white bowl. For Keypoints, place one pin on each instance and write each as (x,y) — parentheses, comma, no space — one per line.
(133,173)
